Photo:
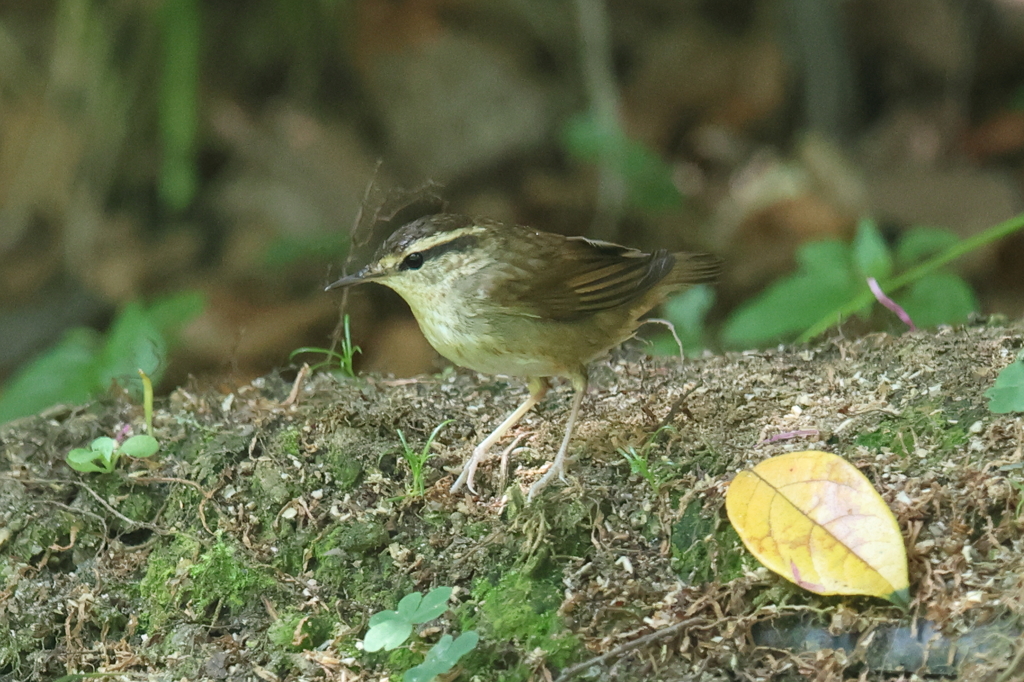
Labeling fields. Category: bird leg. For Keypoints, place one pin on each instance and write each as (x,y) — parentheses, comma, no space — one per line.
(579,382)
(538,389)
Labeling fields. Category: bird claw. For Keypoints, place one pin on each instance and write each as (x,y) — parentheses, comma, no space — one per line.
(472,472)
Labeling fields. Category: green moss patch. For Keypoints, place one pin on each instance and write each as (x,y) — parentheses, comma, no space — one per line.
(517,613)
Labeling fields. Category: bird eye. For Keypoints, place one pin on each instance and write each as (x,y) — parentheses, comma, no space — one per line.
(414,261)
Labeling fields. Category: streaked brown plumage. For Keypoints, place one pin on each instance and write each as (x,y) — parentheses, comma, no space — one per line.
(508,299)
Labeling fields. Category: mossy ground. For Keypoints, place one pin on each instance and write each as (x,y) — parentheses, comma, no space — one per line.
(263,535)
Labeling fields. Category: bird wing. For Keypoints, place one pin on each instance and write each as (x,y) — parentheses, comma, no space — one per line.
(578,277)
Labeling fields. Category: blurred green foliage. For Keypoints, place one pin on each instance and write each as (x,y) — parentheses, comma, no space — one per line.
(648,177)
(832,274)
(85,362)
(287,250)
(686,312)
(180,32)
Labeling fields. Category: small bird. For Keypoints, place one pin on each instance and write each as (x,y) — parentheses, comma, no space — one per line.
(508,299)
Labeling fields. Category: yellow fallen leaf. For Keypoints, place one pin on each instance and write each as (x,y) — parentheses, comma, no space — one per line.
(814,519)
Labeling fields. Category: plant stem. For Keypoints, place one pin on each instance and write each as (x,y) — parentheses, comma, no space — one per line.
(147,401)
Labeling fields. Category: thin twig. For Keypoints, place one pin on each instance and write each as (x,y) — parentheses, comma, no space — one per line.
(131,522)
(293,397)
(672,329)
(574,670)
(673,411)
(354,233)
(207,496)
(1012,670)
(503,469)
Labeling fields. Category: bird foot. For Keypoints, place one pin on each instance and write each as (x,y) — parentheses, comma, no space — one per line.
(469,470)
(479,454)
(557,469)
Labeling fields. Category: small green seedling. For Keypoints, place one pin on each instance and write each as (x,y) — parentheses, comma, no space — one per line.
(348,351)
(102,454)
(342,358)
(390,630)
(416,460)
(639,465)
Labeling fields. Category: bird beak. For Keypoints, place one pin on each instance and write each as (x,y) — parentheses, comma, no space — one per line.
(364,275)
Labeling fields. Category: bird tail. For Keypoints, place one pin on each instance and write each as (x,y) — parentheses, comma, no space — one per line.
(695,268)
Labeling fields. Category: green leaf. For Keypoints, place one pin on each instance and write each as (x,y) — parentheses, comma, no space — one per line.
(409,604)
(105,446)
(824,280)
(442,657)
(388,630)
(170,313)
(870,252)
(686,312)
(133,343)
(453,651)
(66,373)
(140,337)
(938,298)
(424,672)
(385,616)
(88,461)
(1007,395)
(416,608)
(142,445)
(920,243)
(436,601)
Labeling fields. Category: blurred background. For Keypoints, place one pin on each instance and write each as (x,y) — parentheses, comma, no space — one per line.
(179,179)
